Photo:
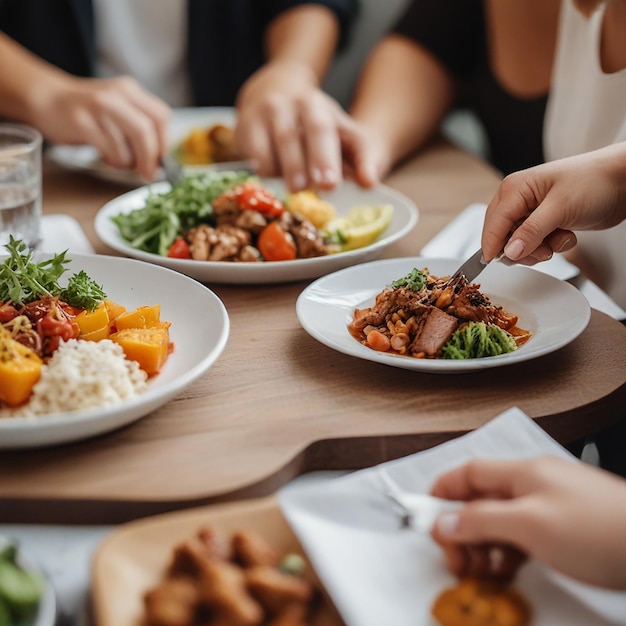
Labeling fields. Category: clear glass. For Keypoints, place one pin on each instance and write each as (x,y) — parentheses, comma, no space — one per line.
(20,184)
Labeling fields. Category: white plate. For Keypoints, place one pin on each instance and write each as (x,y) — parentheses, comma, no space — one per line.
(405,216)
(554,311)
(198,341)
(87,159)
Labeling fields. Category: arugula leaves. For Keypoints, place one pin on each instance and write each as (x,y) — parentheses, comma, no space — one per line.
(165,216)
(22,280)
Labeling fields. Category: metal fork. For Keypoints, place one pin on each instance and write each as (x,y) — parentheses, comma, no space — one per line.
(172,168)
(418,511)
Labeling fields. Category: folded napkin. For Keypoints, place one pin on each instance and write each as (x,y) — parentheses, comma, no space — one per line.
(461,238)
(62,232)
(379,573)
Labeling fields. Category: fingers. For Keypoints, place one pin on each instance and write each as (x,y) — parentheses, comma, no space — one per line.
(296,137)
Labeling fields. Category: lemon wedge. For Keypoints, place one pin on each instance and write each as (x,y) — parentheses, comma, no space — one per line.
(361,226)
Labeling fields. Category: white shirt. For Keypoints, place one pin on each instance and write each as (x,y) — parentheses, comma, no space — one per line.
(145,39)
(586,108)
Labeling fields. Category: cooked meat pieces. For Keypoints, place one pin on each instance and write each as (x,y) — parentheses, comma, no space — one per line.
(435,332)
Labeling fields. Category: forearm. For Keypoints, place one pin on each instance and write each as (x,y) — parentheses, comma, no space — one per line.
(24,78)
(403,96)
(305,35)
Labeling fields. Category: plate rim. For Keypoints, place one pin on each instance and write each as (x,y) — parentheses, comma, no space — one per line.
(434,366)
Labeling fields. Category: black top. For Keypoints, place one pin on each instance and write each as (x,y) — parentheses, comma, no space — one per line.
(454,31)
(225,37)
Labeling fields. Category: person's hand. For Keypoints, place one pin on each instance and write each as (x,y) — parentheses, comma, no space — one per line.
(535,211)
(288,126)
(125,123)
(569,515)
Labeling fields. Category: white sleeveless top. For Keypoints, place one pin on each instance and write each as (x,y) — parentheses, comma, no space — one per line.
(586,108)
(145,39)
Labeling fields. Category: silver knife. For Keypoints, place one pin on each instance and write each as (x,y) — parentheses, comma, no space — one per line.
(471,268)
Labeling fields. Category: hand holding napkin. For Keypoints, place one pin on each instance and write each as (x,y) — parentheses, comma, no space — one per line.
(379,573)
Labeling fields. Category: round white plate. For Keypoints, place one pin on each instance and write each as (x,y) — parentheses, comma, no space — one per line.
(87,159)
(198,341)
(405,216)
(554,311)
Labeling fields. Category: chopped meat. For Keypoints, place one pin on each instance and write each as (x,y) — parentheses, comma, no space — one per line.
(473,306)
(224,243)
(435,332)
(387,301)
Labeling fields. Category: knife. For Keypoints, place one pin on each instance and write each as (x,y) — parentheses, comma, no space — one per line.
(471,268)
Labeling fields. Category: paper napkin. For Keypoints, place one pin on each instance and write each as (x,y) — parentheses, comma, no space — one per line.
(379,573)
(461,238)
(62,232)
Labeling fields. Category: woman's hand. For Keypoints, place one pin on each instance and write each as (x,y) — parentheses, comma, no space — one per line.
(125,123)
(535,211)
(569,515)
(288,126)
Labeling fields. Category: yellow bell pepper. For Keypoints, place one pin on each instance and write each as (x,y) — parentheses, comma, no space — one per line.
(148,346)
(141,317)
(20,369)
(94,323)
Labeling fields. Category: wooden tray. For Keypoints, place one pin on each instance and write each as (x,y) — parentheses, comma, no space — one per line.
(133,557)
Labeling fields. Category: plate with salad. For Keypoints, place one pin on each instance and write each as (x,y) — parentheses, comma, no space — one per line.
(234,227)
(91,343)
(416,321)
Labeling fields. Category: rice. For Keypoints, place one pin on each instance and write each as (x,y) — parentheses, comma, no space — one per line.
(81,375)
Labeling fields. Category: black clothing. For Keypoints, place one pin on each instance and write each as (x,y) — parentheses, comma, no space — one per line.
(224,47)
(454,31)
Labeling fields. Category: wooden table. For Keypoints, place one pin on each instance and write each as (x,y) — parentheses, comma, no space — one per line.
(277,403)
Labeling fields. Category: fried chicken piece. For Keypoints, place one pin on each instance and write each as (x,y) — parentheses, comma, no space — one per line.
(190,557)
(478,603)
(223,589)
(275,589)
(251,549)
(172,603)
(291,615)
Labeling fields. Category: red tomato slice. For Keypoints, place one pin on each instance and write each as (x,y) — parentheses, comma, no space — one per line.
(252,196)
(179,250)
(276,244)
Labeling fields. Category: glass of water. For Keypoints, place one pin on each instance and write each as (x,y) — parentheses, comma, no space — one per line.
(20,184)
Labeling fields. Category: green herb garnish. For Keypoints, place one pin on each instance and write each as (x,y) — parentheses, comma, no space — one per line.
(415,280)
(476,340)
(165,216)
(22,280)
(83,292)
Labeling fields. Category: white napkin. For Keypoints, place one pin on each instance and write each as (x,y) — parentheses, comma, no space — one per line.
(62,232)
(378,573)
(461,238)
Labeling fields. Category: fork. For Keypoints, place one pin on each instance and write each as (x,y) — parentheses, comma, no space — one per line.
(172,168)
(418,511)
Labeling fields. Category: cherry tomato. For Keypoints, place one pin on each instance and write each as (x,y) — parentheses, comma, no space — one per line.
(276,244)
(179,250)
(252,196)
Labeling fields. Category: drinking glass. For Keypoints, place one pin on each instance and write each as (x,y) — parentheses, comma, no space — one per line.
(20,184)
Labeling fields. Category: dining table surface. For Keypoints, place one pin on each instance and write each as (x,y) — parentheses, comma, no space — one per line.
(278,404)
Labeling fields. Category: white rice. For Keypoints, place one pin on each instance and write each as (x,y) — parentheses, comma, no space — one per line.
(81,375)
